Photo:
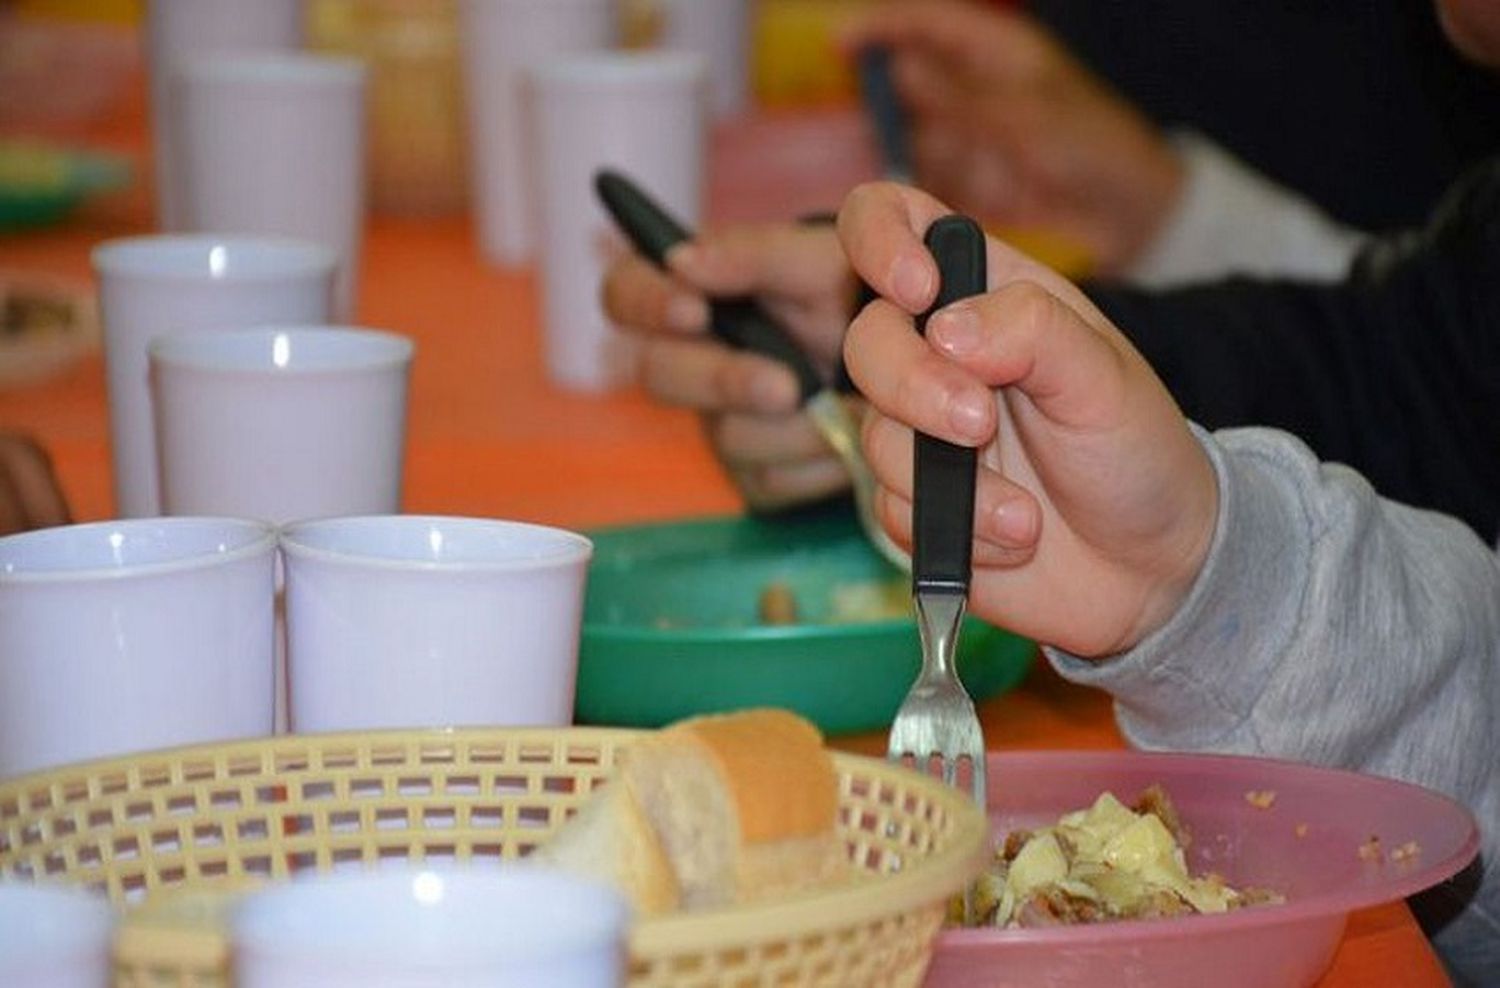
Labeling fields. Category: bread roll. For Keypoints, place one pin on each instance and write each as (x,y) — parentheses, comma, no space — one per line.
(711,811)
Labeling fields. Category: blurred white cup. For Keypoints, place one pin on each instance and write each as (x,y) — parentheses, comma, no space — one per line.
(130,635)
(719,30)
(54,936)
(415,621)
(639,112)
(280,424)
(179,30)
(152,286)
(274,143)
(503,40)
(408,927)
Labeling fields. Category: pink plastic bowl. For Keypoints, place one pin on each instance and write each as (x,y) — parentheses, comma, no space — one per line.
(1305,845)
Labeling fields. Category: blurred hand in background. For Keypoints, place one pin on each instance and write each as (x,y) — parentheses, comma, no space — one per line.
(1011,128)
(748,403)
(30,496)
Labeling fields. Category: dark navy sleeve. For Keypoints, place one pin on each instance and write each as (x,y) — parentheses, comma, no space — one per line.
(1395,371)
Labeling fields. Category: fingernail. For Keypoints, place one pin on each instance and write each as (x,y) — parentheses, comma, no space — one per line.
(1013,523)
(968,414)
(956,330)
(772,392)
(912,282)
(684,255)
(686,313)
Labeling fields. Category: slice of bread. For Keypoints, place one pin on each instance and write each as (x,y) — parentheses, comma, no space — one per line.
(712,811)
(610,839)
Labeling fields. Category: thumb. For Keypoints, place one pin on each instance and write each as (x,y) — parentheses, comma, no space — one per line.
(1024,337)
(787,260)
(881,225)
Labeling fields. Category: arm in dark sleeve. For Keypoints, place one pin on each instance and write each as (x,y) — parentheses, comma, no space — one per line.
(1395,372)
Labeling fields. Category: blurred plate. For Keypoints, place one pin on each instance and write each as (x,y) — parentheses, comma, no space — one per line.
(671,625)
(39,184)
(1305,844)
(46,325)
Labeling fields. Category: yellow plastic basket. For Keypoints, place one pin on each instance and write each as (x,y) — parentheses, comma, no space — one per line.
(171,830)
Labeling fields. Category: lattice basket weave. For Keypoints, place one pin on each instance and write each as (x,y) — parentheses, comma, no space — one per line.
(164,833)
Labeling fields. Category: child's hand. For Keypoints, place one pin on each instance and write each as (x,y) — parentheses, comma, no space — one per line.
(1010,127)
(1095,504)
(749,403)
(29,493)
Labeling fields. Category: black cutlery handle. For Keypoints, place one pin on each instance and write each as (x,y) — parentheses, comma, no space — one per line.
(886,112)
(738,322)
(943,498)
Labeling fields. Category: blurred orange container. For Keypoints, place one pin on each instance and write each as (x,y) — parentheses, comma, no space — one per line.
(417,156)
(796,61)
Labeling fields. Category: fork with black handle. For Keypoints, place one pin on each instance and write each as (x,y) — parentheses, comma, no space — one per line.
(744,325)
(937,718)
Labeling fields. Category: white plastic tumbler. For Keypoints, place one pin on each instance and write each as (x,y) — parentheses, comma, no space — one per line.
(180,30)
(413,621)
(124,636)
(503,41)
(719,30)
(275,144)
(155,286)
(281,424)
(639,112)
(54,936)
(410,927)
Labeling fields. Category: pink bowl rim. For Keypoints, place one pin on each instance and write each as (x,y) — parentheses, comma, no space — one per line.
(1321,906)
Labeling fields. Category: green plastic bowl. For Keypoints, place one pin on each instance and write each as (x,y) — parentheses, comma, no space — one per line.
(671,626)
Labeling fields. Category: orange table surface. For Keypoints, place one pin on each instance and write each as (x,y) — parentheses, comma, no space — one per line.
(488,435)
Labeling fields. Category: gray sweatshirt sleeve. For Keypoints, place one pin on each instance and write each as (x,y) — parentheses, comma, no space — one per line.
(1332,626)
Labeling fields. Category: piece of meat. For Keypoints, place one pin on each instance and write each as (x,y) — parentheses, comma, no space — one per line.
(1051,906)
(1014,841)
(1154,800)
(1160,904)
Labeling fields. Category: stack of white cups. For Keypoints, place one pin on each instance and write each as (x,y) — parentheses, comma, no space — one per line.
(178,31)
(641,113)
(274,441)
(550,104)
(274,144)
(253,136)
(504,41)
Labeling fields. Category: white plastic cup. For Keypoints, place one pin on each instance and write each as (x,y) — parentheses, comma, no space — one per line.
(414,621)
(180,30)
(516,925)
(124,636)
(54,937)
(503,40)
(719,30)
(274,143)
(281,424)
(639,112)
(153,286)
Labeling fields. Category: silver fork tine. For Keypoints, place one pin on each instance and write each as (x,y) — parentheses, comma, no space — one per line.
(937,718)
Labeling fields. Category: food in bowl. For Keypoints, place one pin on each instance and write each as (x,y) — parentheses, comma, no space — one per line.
(869,600)
(1106,862)
(849,602)
(778,605)
(45,327)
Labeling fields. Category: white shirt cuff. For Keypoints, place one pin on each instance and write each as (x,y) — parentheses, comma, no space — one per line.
(1230,219)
